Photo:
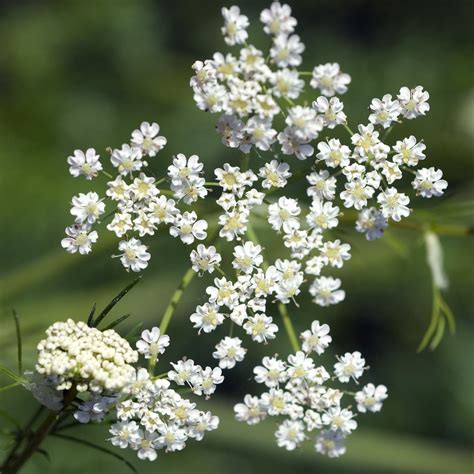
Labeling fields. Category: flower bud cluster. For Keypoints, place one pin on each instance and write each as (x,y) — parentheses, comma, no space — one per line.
(90,359)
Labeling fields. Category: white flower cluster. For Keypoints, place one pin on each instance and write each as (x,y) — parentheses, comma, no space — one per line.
(298,391)
(248,90)
(154,416)
(75,354)
(139,206)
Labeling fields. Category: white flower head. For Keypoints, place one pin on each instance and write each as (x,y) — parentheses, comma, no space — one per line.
(235,26)
(134,254)
(371,398)
(84,164)
(79,239)
(146,138)
(188,228)
(152,343)
(329,79)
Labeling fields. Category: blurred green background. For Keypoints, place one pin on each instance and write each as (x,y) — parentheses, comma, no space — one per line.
(77,74)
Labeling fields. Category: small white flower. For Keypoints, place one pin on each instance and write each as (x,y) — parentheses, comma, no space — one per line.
(334,153)
(272,372)
(290,434)
(84,164)
(247,257)
(283,214)
(134,255)
(79,239)
(329,79)
(371,222)
(125,433)
(335,253)
(370,398)
(161,209)
(152,343)
(330,443)
(331,110)
(121,224)
(127,159)
(287,83)
(146,444)
(339,419)
(317,339)
(275,174)
(235,26)
(393,204)
(286,50)
(229,351)
(322,215)
(260,132)
(428,182)
(205,383)
(183,371)
(147,140)
(207,317)
(414,102)
(350,366)
(224,293)
(118,189)
(322,185)
(409,151)
(250,411)
(384,111)
(234,224)
(205,259)
(277,19)
(292,144)
(172,437)
(187,227)
(365,140)
(87,208)
(326,291)
(356,193)
(260,327)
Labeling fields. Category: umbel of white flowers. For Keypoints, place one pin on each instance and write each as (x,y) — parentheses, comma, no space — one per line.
(253,92)
(298,390)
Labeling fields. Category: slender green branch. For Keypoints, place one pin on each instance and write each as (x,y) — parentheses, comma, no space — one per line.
(348,129)
(175,298)
(9,386)
(14,463)
(290,330)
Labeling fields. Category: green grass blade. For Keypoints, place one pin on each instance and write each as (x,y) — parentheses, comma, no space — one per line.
(117,321)
(90,319)
(9,373)
(449,316)
(439,334)
(109,307)
(9,386)
(18,342)
(97,447)
(431,328)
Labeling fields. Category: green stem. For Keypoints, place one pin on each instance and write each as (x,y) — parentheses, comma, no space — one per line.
(175,298)
(290,330)
(14,463)
(107,174)
(170,309)
(348,129)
